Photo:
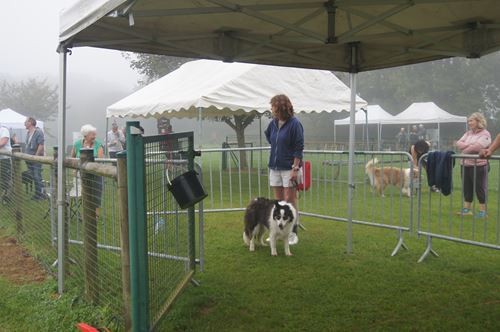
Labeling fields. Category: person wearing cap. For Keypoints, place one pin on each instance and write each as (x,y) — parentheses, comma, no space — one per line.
(115,139)
(5,167)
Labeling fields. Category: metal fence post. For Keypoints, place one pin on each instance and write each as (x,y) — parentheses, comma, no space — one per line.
(191,215)
(90,229)
(139,275)
(124,235)
(16,192)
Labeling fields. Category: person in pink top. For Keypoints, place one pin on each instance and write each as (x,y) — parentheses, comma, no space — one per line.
(472,142)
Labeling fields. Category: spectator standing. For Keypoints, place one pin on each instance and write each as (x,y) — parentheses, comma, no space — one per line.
(472,142)
(402,139)
(422,132)
(35,141)
(286,136)
(89,141)
(5,167)
(413,135)
(115,140)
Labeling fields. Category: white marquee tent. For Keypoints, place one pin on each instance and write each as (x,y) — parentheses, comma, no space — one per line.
(426,112)
(217,88)
(374,114)
(208,89)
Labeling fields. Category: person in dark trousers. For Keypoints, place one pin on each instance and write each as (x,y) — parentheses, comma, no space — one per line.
(286,136)
(35,141)
(474,171)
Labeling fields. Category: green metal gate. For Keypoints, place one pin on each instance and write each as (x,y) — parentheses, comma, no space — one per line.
(162,239)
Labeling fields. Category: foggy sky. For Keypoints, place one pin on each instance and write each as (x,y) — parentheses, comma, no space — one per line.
(29,37)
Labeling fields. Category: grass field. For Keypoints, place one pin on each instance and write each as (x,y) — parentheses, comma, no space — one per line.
(320,288)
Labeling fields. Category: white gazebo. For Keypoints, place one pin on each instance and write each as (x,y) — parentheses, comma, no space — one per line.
(212,89)
(426,112)
(373,114)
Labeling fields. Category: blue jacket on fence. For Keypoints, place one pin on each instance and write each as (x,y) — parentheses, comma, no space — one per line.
(286,142)
(439,170)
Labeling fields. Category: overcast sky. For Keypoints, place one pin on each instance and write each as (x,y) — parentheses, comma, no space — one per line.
(28,40)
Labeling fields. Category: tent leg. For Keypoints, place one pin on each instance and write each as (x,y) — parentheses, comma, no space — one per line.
(61,199)
(351,163)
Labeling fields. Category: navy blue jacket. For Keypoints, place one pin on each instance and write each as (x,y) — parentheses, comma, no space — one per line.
(286,142)
(439,170)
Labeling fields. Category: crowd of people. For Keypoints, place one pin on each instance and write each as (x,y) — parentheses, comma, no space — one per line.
(285,134)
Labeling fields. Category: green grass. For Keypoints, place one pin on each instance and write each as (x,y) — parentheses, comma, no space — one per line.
(37,307)
(320,288)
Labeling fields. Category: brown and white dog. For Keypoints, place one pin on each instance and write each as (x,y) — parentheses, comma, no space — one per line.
(381,177)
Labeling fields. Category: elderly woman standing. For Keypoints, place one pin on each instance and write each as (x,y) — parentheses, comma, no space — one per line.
(89,141)
(286,136)
(472,142)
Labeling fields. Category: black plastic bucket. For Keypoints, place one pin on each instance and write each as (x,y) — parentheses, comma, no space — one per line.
(187,189)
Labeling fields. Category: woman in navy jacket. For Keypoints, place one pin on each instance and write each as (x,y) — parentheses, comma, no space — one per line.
(286,136)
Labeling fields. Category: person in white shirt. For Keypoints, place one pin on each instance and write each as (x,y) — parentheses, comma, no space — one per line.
(115,140)
(5,167)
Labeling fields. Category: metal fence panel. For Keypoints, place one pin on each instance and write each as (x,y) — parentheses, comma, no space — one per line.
(439,215)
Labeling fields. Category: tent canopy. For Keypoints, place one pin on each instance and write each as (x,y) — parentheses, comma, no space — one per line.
(296,33)
(234,88)
(376,114)
(426,112)
(13,120)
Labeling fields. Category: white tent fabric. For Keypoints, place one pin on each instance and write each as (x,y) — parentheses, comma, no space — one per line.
(375,114)
(220,89)
(13,120)
(426,112)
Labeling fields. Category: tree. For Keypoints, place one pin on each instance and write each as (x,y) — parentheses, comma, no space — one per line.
(33,97)
(153,66)
(156,66)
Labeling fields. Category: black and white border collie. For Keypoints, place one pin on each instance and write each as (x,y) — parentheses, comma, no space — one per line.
(264,214)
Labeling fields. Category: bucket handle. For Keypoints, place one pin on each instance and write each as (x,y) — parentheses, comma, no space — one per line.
(168,178)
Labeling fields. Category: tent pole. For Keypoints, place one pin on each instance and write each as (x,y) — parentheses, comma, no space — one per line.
(439,137)
(200,135)
(61,174)
(352,137)
(334,135)
(106,137)
(379,135)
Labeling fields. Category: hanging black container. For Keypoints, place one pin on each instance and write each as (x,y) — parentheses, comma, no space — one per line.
(187,189)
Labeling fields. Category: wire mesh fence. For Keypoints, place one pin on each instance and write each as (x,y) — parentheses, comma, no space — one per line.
(92,236)
(27,206)
(169,230)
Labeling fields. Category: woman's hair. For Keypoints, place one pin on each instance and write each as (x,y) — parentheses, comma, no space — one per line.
(481,120)
(421,147)
(86,129)
(283,106)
